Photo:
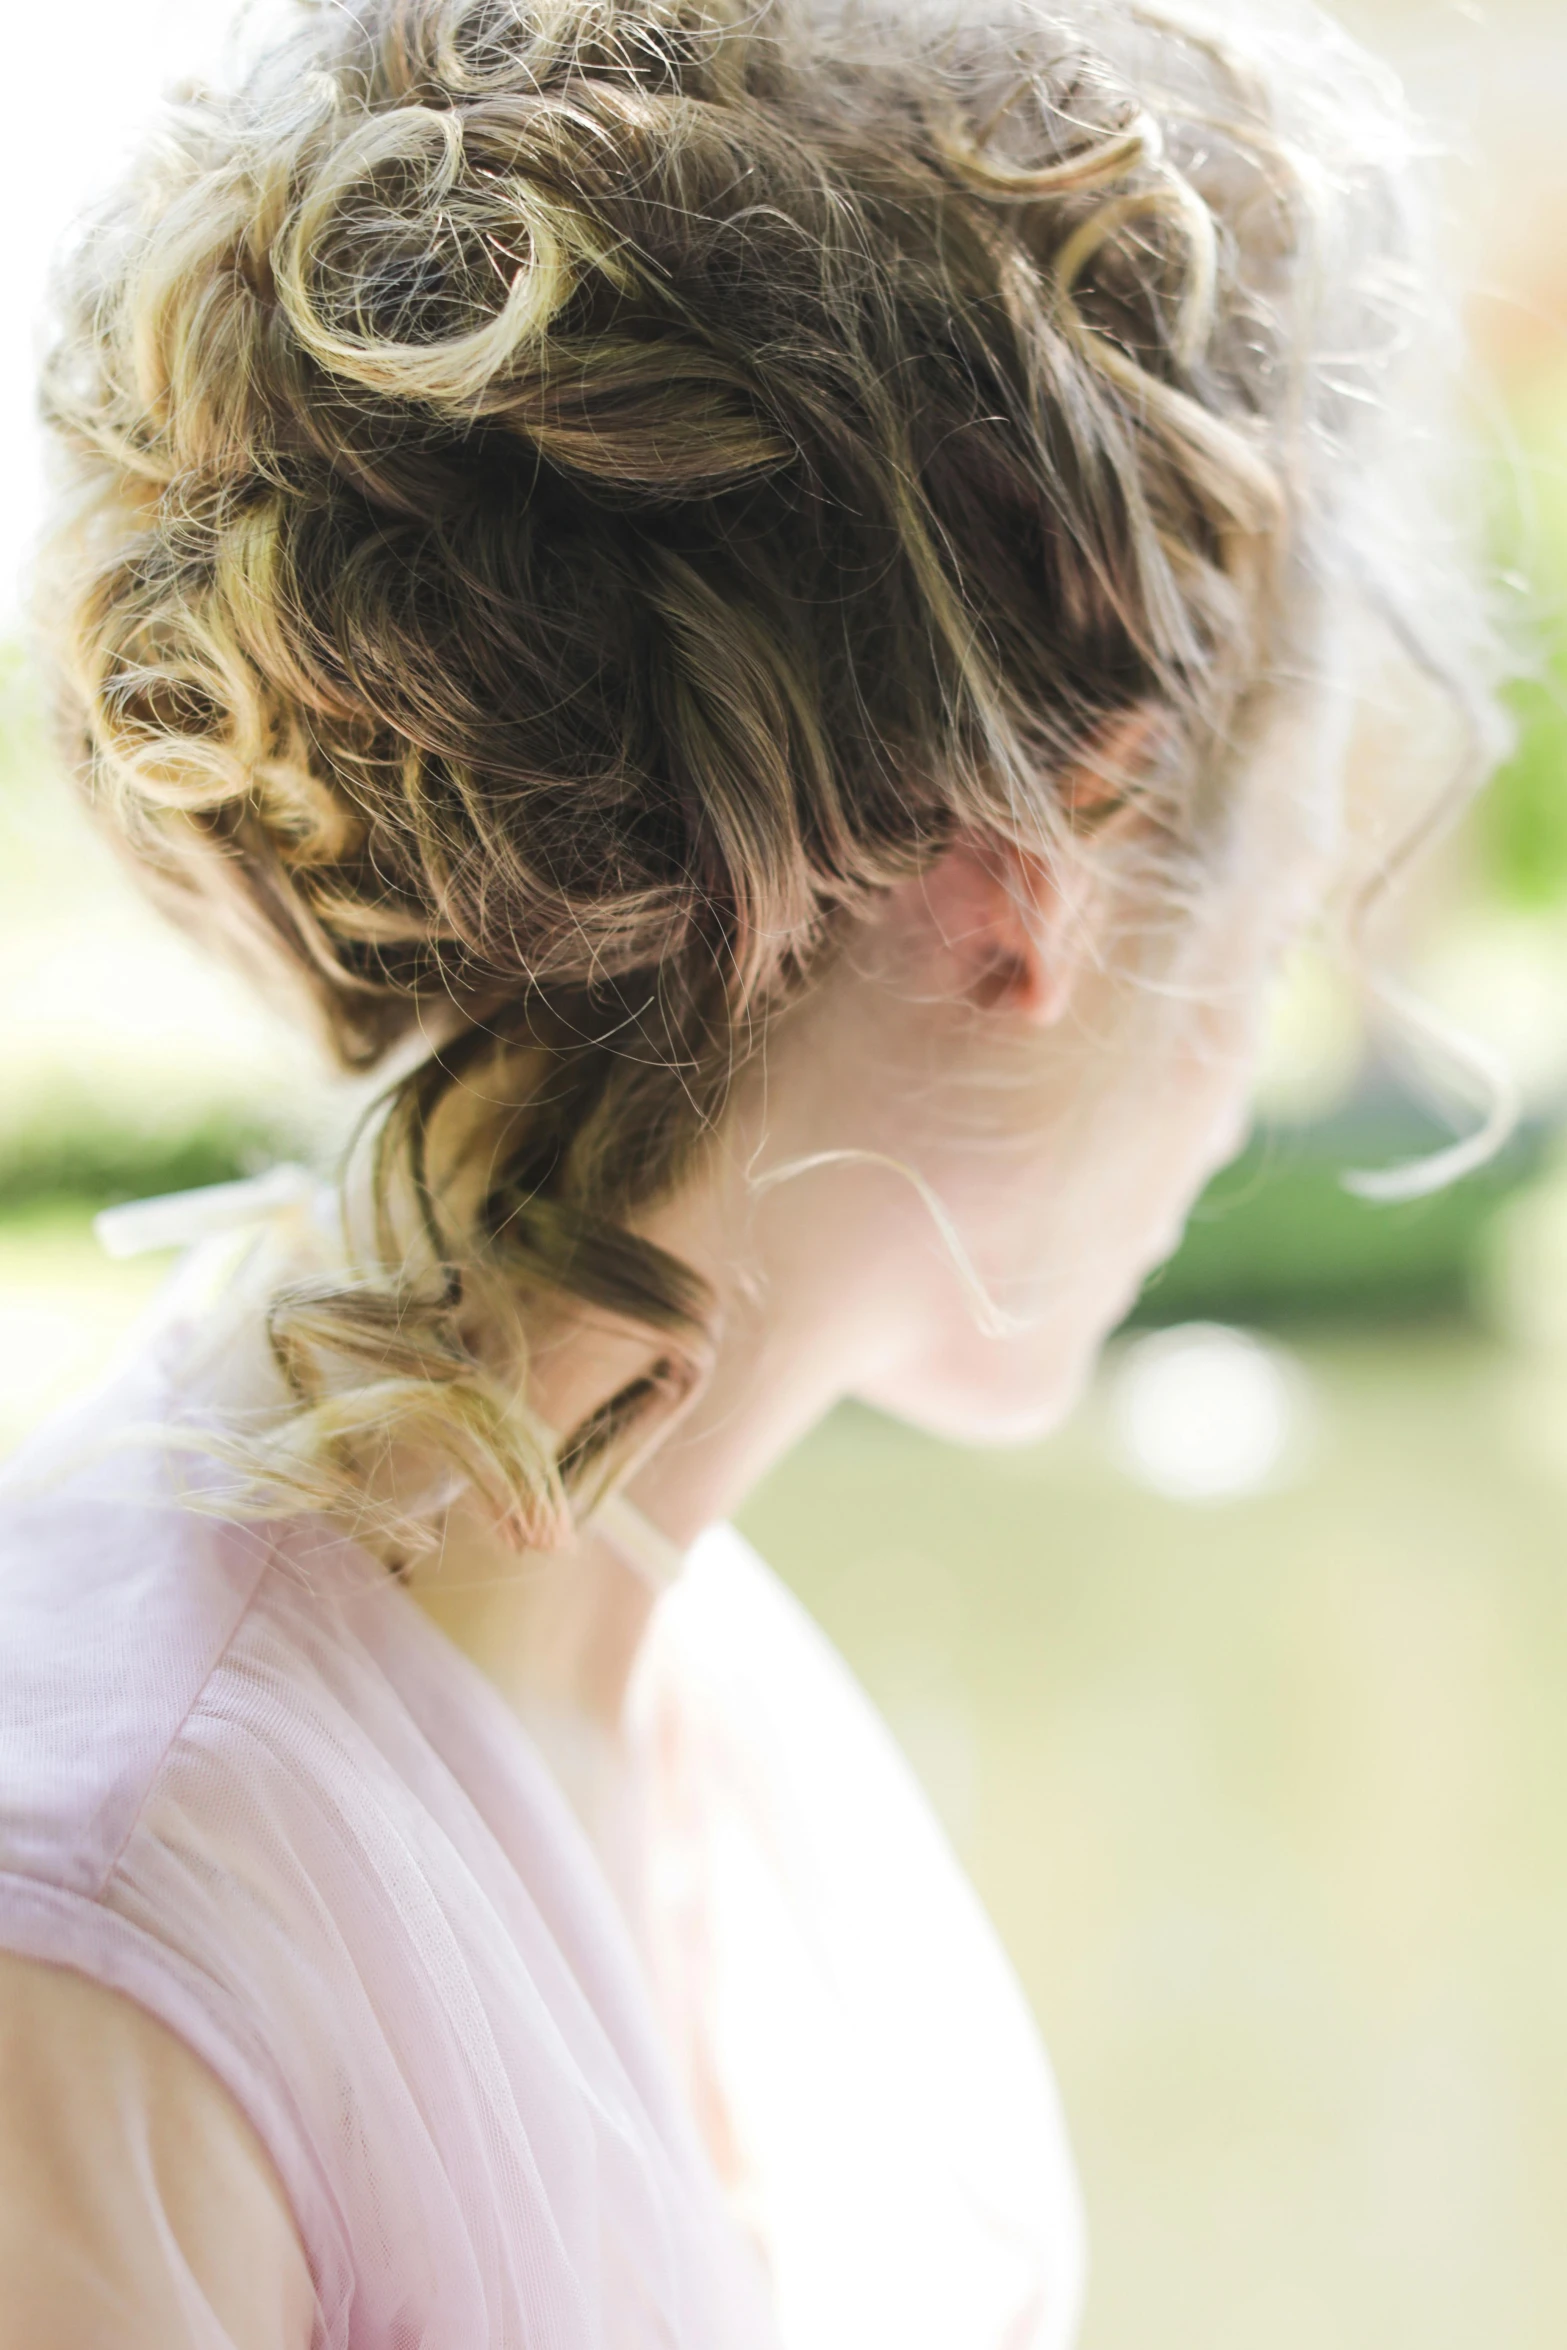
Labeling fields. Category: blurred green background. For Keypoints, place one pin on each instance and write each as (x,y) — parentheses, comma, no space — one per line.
(1245,1699)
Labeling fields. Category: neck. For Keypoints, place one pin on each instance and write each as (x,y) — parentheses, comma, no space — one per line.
(796,1330)
(804,1320)
(568,1623)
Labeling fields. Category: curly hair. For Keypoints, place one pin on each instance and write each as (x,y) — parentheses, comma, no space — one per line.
(565,499)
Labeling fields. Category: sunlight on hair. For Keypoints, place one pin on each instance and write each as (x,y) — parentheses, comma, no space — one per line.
(559,509)
(993,1320)
(57,159)
(1204,1413)
(1455,1070)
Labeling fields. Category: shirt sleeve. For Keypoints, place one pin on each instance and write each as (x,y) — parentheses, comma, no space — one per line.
(138,2208)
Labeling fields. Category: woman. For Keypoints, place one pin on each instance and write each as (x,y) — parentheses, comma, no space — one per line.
(765,609)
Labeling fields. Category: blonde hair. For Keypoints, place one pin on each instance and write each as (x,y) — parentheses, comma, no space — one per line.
(563,502)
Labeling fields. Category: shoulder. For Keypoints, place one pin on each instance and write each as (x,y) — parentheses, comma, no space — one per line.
(131,2184)
(155,1807)
(117,1603)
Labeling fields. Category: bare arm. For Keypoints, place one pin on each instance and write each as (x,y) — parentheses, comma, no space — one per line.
(138,2209)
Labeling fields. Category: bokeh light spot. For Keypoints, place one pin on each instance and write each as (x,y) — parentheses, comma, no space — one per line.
(1205,1413)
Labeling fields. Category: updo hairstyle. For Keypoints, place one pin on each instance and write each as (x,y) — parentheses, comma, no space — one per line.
(564,500)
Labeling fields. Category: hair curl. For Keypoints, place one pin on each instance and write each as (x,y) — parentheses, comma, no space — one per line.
(565,499)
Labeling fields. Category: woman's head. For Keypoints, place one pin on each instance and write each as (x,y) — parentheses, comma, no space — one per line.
(594,535)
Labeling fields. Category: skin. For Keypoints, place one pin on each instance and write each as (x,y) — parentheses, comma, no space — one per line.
(1044,1052)
(989,1029)
(996,1036)
(137,2205)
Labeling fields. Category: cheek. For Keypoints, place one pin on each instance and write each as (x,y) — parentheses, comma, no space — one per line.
(1110,1200)
(1207,1108)
(1204,1119)
(1064,1238)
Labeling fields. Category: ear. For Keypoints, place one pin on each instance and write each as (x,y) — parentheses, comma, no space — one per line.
(994,908)
(1015,923)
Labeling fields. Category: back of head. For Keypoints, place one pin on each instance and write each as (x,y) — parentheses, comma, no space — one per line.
(565,502)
